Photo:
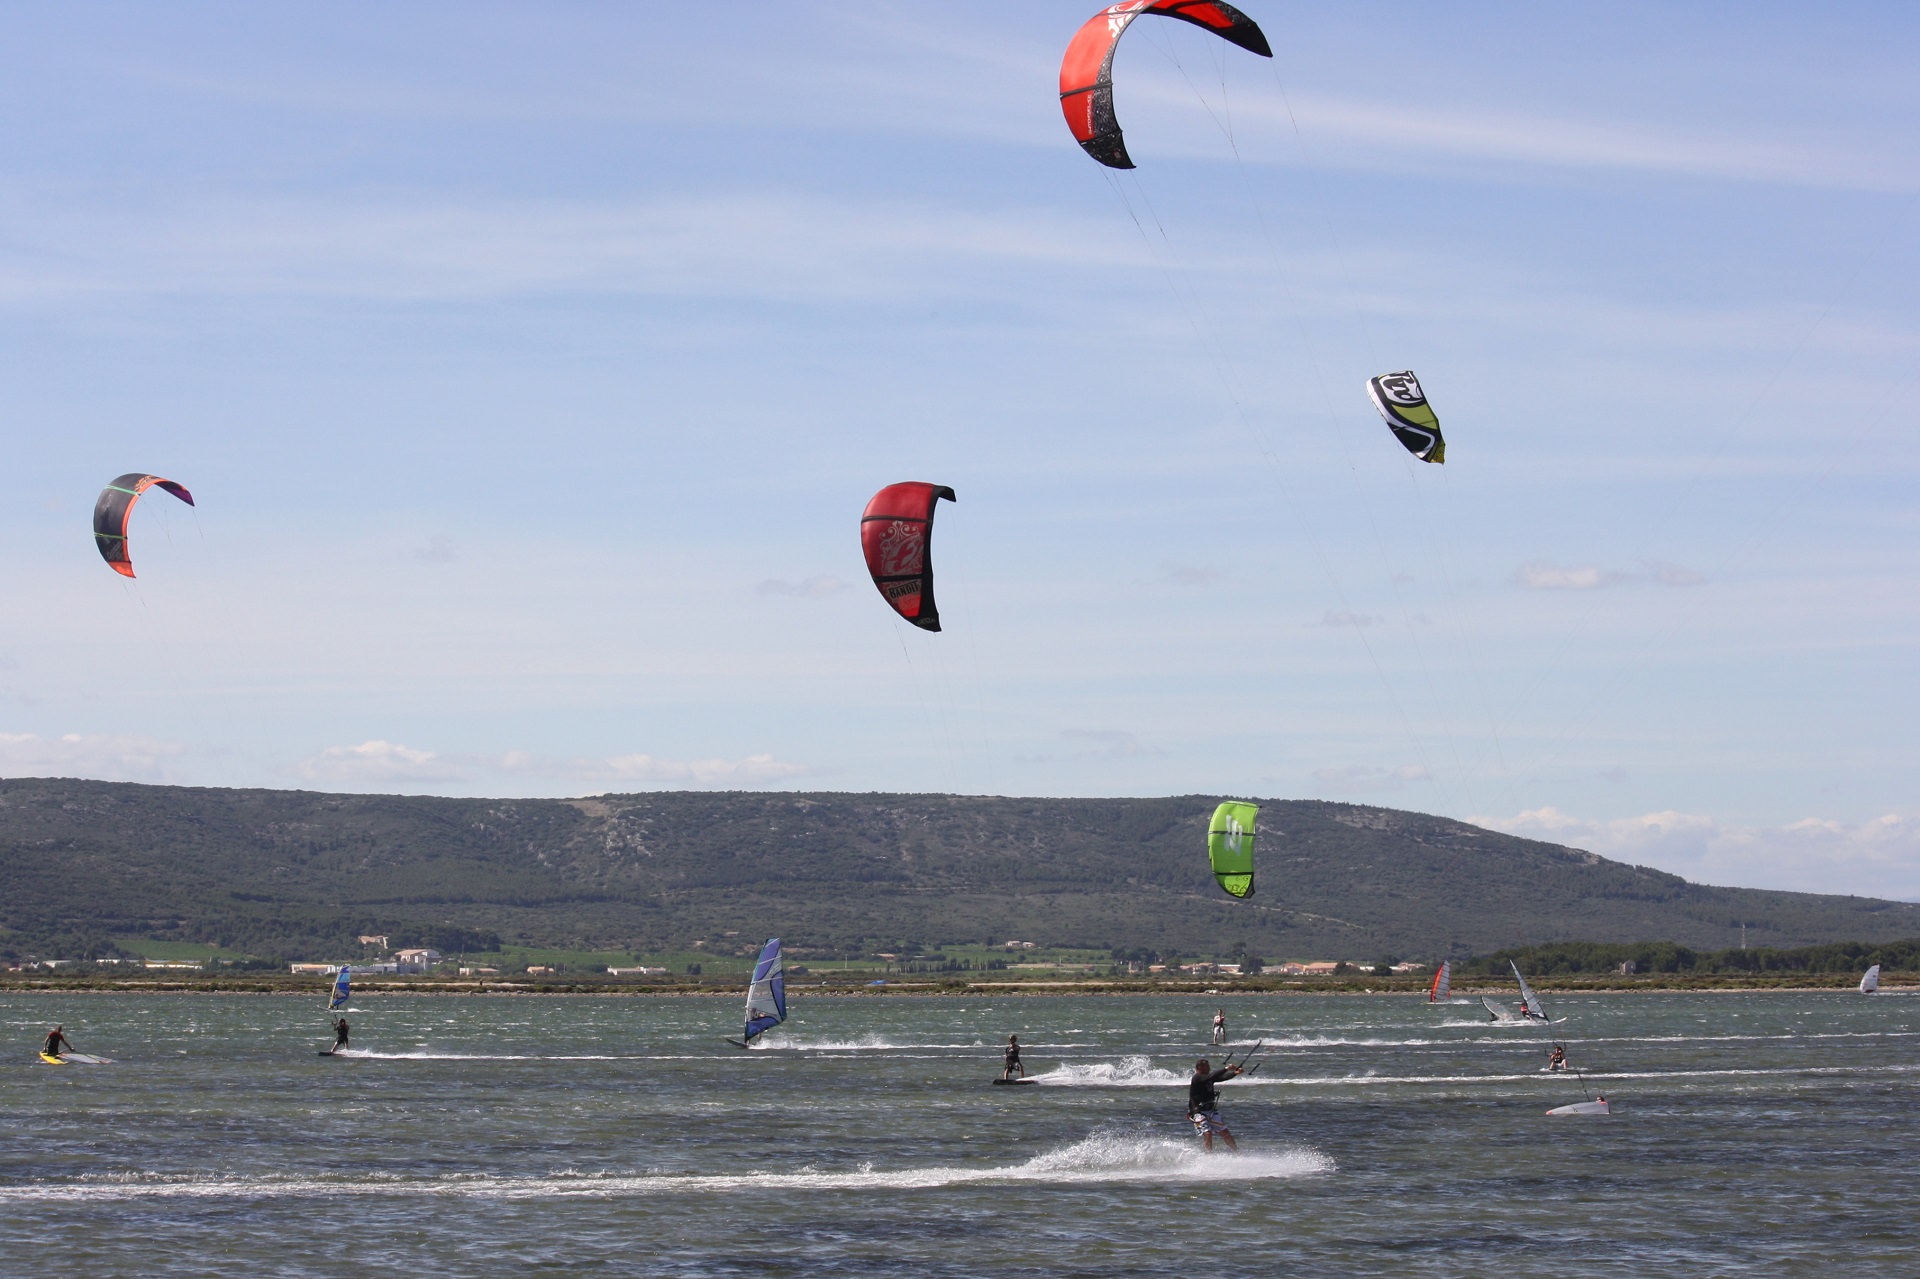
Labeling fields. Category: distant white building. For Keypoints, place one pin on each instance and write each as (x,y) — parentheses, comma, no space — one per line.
(313,970)
(374,939)
(636,972)
(415,960)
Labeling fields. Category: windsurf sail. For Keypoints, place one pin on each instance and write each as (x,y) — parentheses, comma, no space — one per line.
(1230,846)
(1499,1010)
(1442,986)
(1529,1002)
(342,988)
(1870,984)
(767,995)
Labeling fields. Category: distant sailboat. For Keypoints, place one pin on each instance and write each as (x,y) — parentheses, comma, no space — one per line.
(1870,984)
(766,994)
(1442,987)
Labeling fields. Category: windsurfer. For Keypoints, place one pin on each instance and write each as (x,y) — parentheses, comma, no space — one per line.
(57,1043)
(1013,1059)
(1219,1027)
(339,1033)
(1203,1103)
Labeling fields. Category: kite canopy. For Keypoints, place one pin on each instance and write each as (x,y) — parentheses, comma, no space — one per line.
(1400,400)
(1086,72)
(115,508)
(1230,846)
(896,532)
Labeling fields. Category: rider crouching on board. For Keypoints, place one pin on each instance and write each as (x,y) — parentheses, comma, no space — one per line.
(1203,1103)
(56,1045)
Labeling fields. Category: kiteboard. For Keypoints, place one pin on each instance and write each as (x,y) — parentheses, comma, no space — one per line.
(1583,1108)
(1011,1082)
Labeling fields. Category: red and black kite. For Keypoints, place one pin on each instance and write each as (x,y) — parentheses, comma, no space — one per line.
(1086,73)
(896,532)
(115,508)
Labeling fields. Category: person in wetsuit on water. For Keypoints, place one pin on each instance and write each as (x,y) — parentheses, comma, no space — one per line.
(1203,1103)
(1219,1027)
(1013,1059)
(339,1033)
(56,1044)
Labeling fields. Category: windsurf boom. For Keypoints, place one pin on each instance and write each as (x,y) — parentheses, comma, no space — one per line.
(767,994)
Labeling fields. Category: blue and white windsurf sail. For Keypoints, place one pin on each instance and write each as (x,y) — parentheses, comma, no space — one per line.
(1529,1002)
(342,991)
(767,996)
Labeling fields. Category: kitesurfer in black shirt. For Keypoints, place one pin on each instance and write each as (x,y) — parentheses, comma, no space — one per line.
(339,1033)
(1013,1059)
(1203,1102)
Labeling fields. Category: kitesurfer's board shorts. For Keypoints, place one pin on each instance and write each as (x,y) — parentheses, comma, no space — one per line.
(1207,1121)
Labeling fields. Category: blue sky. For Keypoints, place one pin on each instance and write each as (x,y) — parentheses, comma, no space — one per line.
(531,366)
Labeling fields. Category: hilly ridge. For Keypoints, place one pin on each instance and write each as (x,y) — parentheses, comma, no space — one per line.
(293,873)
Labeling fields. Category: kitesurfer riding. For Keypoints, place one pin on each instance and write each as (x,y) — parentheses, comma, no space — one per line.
(339,1034)
(1219,1027)
(57,1043)
(1013,1059)
(1203,1103)
(1557,1058)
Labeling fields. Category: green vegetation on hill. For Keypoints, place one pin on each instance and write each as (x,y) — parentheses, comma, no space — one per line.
(295,874)
(1568,959)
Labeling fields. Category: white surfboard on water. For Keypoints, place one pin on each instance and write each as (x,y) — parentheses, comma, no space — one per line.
(1870,984)
(1598,1107)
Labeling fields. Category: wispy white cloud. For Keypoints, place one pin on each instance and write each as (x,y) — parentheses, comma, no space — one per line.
(376,763)
(380,763)
(1879,857)
(1111,742)
(758,244)
(1544,575)
(1360,778)
(103,756)
(816,587)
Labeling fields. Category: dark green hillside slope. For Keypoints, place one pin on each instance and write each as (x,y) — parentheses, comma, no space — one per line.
(300,873)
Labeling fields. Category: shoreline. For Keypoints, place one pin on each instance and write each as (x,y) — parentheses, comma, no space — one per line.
(280,985)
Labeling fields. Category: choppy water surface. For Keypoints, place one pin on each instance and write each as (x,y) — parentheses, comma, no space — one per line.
(1753,1134)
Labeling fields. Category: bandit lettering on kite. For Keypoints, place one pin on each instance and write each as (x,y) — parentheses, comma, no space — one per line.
(896,533)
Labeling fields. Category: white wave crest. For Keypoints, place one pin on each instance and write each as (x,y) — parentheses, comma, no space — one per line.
(1104,1156)
(1128,1072)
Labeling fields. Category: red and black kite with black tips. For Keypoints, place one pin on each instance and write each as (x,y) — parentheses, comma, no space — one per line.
(896,532)
(1086,73)
(115,508)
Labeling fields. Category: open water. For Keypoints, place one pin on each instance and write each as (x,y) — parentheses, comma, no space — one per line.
(1753,1134)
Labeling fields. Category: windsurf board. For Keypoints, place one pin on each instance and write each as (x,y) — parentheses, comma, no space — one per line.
(1583,1108)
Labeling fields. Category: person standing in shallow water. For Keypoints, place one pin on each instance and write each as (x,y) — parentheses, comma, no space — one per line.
(1203,1103)
(1013,1059)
